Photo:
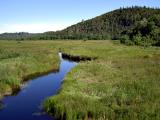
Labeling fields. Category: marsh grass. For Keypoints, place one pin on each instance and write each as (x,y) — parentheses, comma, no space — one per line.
(123,83)
(18,60)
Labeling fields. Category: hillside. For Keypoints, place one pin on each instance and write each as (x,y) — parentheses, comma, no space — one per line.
(116,22)
(133,22)
(134,25)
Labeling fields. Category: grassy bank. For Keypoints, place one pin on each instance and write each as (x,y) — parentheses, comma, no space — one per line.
(123,83)
(21,59)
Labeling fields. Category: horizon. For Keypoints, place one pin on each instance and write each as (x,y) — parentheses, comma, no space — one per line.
(41,15)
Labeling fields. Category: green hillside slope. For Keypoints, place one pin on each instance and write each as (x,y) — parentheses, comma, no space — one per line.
(134,25)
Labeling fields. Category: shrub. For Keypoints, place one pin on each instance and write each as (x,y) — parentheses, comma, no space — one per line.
(126,40)
(137,39)
(147,41)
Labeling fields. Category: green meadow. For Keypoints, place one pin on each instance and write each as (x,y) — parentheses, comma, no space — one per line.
(18,60)
(122,83)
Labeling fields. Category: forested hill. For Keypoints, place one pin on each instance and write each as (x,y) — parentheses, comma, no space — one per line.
(134,25)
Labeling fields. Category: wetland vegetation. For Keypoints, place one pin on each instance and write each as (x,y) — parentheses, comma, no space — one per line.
(117,82)
(21,59)
(122,83)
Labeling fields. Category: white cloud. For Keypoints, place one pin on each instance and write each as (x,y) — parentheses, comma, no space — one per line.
(32,28)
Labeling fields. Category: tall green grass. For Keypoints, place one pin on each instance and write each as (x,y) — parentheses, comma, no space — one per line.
(123,83)
(20,59)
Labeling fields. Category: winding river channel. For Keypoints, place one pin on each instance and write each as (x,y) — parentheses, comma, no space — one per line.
(27,104)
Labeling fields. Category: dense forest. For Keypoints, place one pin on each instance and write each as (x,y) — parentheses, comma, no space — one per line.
(133,25)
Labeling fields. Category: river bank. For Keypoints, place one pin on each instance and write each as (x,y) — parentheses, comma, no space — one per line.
(33,94)
(122,83)
(22,61)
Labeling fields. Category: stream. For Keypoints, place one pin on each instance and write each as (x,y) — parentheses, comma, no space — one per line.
(27,104)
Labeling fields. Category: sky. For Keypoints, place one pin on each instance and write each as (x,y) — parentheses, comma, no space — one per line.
(37,16)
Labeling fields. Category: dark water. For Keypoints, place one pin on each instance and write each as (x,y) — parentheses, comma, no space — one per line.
(26,105)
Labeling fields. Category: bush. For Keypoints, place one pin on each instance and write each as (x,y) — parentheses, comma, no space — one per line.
(147,41)
(125,40)
(137,39)
(143,41)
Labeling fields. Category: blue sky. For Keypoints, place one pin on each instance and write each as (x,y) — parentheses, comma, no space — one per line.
(51,15)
